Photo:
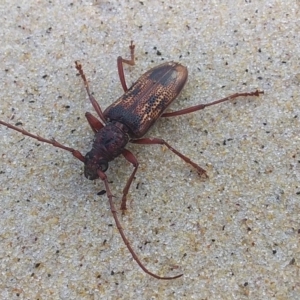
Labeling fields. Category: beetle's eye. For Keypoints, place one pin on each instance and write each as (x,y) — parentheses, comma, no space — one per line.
(103,164)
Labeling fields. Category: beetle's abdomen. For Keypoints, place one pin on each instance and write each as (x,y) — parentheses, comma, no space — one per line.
(147,98)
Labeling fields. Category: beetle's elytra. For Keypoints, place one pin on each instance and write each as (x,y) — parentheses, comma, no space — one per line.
(127,120)
(155,91)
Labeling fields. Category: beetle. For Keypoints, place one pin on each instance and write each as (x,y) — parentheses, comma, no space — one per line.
(127,120)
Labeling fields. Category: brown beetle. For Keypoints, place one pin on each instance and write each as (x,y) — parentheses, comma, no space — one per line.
(127,120)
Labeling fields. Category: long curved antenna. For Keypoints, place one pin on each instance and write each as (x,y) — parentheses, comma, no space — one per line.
(52,142)
(103,177)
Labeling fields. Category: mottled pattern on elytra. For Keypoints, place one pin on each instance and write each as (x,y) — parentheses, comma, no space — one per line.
(147,98)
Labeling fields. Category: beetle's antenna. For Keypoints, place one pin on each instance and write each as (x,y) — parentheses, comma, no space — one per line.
(103,177)
(52,142)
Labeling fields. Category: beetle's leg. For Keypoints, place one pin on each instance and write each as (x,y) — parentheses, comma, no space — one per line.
(132,159)
(103,177)
(91,97)
(202,106)
(155,141)
(95,124)
(130,62)
(52,142)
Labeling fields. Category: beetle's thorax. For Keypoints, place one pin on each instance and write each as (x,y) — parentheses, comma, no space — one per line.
(109,142)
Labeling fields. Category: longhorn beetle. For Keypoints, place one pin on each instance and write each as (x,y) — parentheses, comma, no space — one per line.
(127,120)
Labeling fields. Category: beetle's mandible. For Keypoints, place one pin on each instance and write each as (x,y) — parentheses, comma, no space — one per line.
(127,120)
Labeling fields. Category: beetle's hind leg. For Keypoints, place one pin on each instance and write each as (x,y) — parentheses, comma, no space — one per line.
(202,106)
(156,141)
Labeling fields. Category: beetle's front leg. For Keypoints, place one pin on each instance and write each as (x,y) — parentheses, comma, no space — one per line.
(155,141)
(95,124)
(91,97)
(132,159)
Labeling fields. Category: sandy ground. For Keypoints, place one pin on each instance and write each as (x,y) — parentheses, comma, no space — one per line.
(234,235)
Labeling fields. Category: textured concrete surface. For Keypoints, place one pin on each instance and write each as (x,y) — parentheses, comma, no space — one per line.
(233,236)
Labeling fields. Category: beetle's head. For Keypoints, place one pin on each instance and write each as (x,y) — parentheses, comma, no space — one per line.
(94,163)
